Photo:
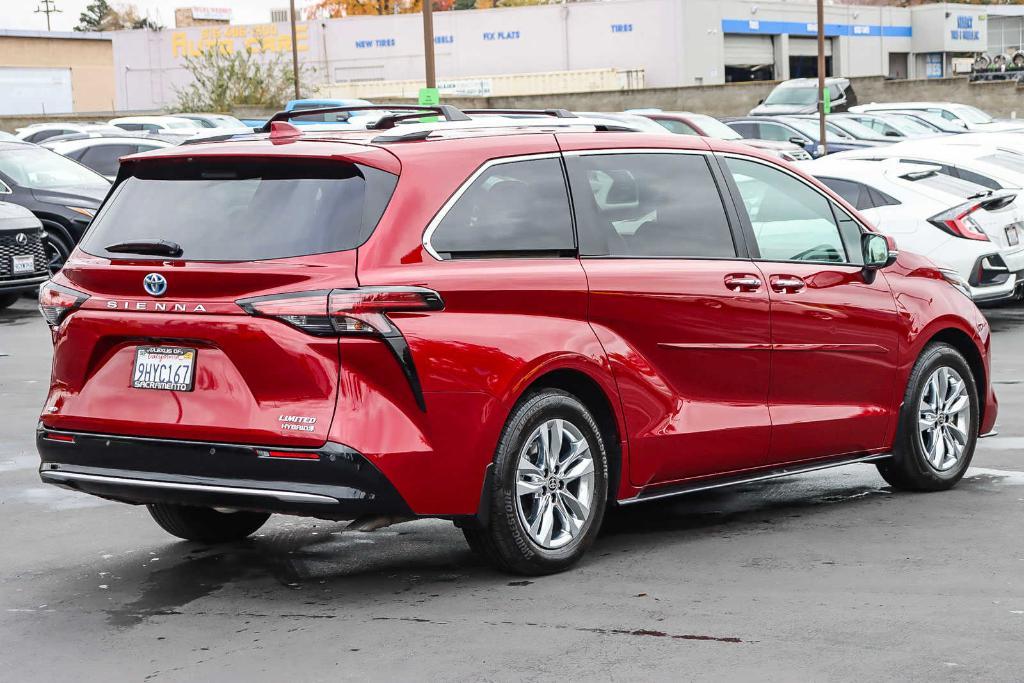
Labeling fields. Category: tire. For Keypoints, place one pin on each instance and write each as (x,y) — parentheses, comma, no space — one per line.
(206,524)
(913,465)
(566,509)
(7,300)
(57,252)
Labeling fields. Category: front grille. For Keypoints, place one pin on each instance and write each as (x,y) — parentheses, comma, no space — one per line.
(9,247)
(799,154)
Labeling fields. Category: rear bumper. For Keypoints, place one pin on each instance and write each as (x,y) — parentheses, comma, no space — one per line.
(338,483)
(24,284)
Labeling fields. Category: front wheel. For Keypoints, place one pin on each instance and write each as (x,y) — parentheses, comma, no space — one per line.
(206,524)
(549,488)
(938,426)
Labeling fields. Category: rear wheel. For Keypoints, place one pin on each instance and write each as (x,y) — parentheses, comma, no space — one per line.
(206,524)
(57,252)
(7,300)
(549,489)
(938,424)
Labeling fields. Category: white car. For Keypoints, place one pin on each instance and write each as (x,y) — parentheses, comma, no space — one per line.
(968,117)
(213,120)
(156,124)
(944,218)
(103,154)
(37,132)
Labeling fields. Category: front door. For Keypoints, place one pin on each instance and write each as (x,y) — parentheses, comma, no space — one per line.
(834,326)
(682,315)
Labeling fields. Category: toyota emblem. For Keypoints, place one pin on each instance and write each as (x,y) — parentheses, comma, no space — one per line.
(155,284)
(21,238)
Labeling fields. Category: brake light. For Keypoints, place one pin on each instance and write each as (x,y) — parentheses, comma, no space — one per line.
(960,222)
(57,302)
(362,310)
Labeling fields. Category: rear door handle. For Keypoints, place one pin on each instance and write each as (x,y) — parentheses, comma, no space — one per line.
(743,283)
(787,283)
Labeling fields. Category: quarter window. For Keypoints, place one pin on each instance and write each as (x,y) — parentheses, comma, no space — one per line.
(519,208)
(649,204)
(791,220)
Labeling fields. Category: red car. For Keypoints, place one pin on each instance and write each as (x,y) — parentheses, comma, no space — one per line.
(510,325)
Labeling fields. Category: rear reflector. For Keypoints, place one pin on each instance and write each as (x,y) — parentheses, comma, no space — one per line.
(290,455)
(64,438)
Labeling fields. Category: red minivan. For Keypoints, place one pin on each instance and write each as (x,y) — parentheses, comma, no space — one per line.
(511,324)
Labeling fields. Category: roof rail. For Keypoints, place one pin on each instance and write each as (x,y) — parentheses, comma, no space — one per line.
(449,112)
(557,113)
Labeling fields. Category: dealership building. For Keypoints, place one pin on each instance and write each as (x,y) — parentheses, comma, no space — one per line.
(670,42)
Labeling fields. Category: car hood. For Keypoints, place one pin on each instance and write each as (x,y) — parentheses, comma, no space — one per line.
(84,196)
(783,109)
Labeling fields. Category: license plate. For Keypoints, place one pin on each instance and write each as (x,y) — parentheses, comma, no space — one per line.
(164,367)
(23,264)
(1012,236)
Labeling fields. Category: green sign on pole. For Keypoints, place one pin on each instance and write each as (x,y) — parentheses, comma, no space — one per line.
(429,97)
(827,101)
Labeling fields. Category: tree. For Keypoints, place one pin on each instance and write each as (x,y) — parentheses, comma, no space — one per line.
(222,79)
(99,15)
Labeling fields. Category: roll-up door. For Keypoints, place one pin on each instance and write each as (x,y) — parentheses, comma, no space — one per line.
(808,47)
(748,50)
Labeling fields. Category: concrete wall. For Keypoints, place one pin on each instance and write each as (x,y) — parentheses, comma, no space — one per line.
(90,60)
(1001,99)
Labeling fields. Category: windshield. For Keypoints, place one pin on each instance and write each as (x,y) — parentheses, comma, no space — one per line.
(802,96)
(811,130)
(713,128)
(908,125)
(244,210)
(971,114)
(35,168)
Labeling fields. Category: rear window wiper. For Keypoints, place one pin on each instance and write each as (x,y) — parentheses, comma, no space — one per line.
(154,247)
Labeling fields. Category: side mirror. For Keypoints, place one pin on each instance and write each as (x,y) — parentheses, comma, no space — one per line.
(797,140)
(892,134)
(760,102)
(879,250)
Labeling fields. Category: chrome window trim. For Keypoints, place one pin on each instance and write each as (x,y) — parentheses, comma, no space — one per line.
(457,195)
(5,188)
(830,200)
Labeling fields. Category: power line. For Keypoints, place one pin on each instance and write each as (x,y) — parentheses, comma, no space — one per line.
(47,7)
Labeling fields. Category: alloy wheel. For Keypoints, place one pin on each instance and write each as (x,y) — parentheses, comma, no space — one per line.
(555,484)
(943,419)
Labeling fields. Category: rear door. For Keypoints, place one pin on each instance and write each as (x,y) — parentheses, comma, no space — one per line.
(834,328)
(206,343)
(682,314)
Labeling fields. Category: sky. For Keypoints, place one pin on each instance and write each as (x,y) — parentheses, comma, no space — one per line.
(20,14)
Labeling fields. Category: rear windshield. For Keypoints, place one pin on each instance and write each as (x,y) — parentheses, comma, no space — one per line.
(243,210)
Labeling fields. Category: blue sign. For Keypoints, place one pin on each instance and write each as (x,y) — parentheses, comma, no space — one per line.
(501,35)
(444,40)
(800,28)
(375,42)
(965,29)
(622,28)
(933,65)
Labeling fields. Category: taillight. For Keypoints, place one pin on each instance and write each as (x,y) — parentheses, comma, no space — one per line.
(57,302)
(361,311)
(326,313)
(959,222)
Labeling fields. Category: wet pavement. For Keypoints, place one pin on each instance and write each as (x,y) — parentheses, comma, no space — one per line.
(827,576)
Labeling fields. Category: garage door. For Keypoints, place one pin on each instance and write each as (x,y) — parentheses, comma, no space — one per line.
(35,91)
(808,47)
(748,50)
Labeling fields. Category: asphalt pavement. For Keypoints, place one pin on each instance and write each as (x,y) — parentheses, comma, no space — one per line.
(828,576)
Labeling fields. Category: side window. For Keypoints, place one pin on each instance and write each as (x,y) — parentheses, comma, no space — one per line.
(855,193)
(747,130)
(791,220)
(676,126)
(145,148)
(773,131)
(104,158)
(879,198)
(150,127)
(130,126)
(653,204)
(519,208)
(850,232)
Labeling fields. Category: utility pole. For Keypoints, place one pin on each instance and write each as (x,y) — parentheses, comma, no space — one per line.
(47,7)
(428,42)
(822,94)
(295,48)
